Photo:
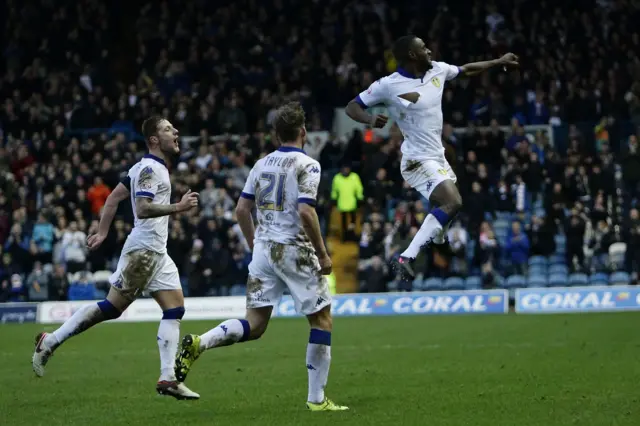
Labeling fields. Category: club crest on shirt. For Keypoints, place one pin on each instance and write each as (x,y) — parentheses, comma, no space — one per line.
(436,81)
(144,180)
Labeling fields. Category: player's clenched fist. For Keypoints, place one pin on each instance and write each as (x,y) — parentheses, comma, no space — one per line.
(325,265)
(189,200)
(509,59)
(94,241)
(378,121)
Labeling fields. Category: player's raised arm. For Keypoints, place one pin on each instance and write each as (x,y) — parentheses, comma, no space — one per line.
(473,68)
(374,95)
(121,192)
(244,209)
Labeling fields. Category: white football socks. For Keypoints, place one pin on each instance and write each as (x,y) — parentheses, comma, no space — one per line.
(429,231)
(168,338)
(225,334)
(318,363)
(81,320)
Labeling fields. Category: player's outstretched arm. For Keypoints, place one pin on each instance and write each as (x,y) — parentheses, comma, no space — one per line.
(245,220)
(109,210)
(474,68)
(145,209)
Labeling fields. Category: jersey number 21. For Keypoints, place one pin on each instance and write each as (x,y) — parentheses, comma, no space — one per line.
(270,183)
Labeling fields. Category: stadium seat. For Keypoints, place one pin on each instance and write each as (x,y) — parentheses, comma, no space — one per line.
(558,280)
(417,284)
(578,280)
(101,278)
(620,278)
(501,224)
(515,281)
(473,283)
(433,284)
(537,281)
(470,250)
(238,290)
(537,270)
(501,235)
(557,259)
(617,252)
(454,283)
(558,269)
(560,239)
(538,261)
(599,279)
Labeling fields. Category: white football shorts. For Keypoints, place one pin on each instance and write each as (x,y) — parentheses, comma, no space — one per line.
(145,271)
(426,174)
(276,267)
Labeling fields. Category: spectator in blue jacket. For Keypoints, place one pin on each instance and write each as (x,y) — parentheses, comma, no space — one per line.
(518,249)
(43,236)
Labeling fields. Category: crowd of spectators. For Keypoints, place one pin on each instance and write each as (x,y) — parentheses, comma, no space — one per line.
(221,68)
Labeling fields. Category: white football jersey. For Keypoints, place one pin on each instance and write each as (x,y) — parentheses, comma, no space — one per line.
(149,178)
(415,104)
(278,183)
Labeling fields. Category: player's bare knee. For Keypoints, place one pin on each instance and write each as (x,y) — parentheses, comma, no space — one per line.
(119,301)
(455,205)
(322,319)
(258,321)
(168,299)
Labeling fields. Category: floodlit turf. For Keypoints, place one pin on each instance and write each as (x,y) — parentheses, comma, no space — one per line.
(475,370)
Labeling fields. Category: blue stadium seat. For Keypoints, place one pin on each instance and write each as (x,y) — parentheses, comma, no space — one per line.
(558,269)
(473,283)
(515,281)
(392,286)
(418,285)
(561,245)
(578,280)
(537,270)
(557,259)
(536,281)
(537,261)
(238,290)
(499,281)
(502,233)
(620,278)
(558,280)
(454,283)
(560,239)
(433,284)
(501,224)
(471,249)
(599,279)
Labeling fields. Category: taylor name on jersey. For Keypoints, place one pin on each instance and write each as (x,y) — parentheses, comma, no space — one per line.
(277,183)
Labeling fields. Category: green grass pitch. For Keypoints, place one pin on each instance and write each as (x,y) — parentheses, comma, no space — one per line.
(420,370)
